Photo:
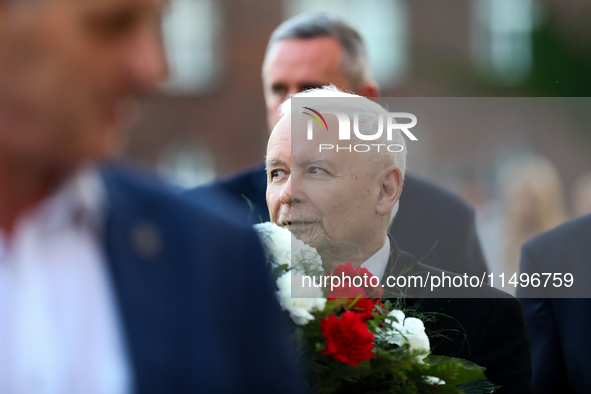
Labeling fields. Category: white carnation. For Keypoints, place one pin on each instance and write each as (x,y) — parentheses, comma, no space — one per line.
(407,330)
(299,308)
(277,241)
(283,245)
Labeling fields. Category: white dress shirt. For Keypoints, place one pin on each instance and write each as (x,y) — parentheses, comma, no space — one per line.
(59,325)
(377,263)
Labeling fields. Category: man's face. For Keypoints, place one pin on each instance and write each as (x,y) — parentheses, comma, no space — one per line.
(325,196)
(294,65)
(68,69)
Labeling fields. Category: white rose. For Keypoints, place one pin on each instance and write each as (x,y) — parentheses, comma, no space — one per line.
(407,330)
(299,308)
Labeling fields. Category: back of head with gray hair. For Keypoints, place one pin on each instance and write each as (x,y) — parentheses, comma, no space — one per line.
(369,112)
(355,63)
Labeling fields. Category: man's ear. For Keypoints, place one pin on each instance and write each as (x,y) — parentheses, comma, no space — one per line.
(369,90)
(390,180)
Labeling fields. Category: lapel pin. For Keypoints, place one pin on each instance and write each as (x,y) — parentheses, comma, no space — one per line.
(146,240)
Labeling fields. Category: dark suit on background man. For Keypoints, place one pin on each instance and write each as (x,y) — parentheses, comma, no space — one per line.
(485,326)
(432,224)
(560,327)
(195,295)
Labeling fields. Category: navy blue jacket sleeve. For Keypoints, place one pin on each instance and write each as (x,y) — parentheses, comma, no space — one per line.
(196,296)
(548,365)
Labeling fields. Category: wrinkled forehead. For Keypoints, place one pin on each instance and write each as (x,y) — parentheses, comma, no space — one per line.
(310,131)
(308,149)
(289,140)
(279,144)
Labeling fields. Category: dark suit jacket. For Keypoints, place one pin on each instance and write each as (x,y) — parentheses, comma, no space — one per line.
(431,224)
(486,326)
(560,327)
(195,295)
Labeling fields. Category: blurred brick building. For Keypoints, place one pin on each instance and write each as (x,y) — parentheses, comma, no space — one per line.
(443,49)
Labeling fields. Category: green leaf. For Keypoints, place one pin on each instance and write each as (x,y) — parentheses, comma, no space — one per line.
(454,371)
(279,270)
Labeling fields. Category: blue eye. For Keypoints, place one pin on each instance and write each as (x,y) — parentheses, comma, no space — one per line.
(276,173)
(316,170)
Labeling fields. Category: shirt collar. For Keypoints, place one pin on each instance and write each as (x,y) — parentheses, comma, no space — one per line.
(377,263)
(79,201)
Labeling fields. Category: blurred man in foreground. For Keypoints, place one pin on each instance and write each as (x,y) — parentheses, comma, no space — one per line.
(342,203)
(106,279)
(314,50)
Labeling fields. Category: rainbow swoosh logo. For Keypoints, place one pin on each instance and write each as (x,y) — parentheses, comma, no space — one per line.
(315,118)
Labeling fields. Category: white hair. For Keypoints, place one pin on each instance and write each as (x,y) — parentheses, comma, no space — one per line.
(369,113)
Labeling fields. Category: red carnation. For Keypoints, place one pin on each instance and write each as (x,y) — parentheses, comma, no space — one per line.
(348,339)
(364,308)
(353,288)
(348,270)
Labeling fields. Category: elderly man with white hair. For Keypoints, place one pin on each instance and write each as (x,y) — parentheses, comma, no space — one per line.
(322,193)
(342,201)
(315,50)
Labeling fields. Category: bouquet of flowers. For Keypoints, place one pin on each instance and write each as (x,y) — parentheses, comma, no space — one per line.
(350,339)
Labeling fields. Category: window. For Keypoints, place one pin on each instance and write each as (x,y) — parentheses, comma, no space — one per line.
(186,165)
(191,34)
(502,42)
